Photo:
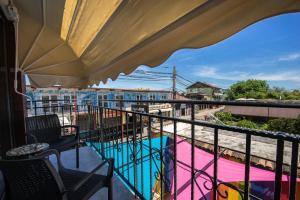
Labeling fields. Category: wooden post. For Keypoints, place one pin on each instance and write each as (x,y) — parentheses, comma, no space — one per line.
(12,126)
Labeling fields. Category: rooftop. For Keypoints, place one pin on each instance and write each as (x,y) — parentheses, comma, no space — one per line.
(32,88)
(199,84)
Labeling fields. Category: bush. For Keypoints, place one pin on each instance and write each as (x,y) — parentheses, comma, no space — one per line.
(224,116)
(264,126)
(247,124)
(297,125)
(283,125)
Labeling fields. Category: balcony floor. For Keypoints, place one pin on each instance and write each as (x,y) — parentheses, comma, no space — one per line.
(89,160)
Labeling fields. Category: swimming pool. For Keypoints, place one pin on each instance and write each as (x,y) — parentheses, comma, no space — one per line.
(139,176)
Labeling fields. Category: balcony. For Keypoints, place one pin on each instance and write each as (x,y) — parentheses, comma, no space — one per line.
(161,156)
(155,157)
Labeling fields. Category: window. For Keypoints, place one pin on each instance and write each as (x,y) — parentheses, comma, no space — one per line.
(105,102)
(66,99)
(73,102)
(163,97)
(73,99)
(45,103)
(67,103)
(152,98)
(101,100)
(54,103)
(139,97)
(100,103)
(119,97)
(86,102)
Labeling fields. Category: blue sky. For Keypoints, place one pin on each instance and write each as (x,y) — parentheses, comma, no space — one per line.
(268,50)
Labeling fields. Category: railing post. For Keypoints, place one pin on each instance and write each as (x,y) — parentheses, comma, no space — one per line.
(161,156)
(89,121)
(141,150)
(175,160)
(122,132)
(127,144)
(107,145)
(135,152)
(70,113)
(63,116)
(116,137)
(150,156)
(293,173)
(35,111)
(278,172)
(101,132)
(247,166)
(193,151)
(216,154)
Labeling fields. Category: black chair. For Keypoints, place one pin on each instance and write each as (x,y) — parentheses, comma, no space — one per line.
(47,128)
(36,179)
(2,187)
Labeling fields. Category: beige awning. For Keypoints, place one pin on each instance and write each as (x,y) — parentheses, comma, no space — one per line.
(81,42)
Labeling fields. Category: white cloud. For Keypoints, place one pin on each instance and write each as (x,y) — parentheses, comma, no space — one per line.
(212,72)
(207,71)
(289,57)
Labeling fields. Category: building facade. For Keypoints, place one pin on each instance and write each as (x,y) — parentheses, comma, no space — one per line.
(51,99)
(204,91)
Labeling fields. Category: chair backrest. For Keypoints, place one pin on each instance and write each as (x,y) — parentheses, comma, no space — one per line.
(46,128)
(2,186)
(110,170)
(31,179)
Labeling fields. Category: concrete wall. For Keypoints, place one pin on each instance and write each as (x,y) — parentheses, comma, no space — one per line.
(291,113)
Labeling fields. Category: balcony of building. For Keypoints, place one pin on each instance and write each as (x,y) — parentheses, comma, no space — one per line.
(156,155)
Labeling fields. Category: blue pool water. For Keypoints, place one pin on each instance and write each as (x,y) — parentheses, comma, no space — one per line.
(123,156)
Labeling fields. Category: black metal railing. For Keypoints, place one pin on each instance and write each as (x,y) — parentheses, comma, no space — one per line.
(147,155)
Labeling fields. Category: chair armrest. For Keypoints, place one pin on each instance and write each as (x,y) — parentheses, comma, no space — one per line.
(50,152)
(85,179)
(73,126)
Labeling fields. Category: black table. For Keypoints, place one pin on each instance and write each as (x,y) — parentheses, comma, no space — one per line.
(26,151)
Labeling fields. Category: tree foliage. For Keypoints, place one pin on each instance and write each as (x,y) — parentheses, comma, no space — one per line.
(277,125)
(248,89)
(285,125)
(259,89)
(247,124)
(224,116)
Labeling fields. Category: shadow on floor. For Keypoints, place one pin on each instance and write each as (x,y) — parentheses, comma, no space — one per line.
(88,161)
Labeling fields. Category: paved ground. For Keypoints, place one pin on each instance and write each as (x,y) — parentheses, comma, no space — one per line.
(202,113)
(261,147)
(88,161)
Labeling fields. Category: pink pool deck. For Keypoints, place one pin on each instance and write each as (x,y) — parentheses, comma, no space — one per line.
(228,171)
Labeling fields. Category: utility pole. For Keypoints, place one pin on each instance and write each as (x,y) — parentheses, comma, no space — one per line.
(174,82)
(174,89)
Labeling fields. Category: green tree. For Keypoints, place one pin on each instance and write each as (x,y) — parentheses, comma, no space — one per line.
(257,89)
(293,95)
